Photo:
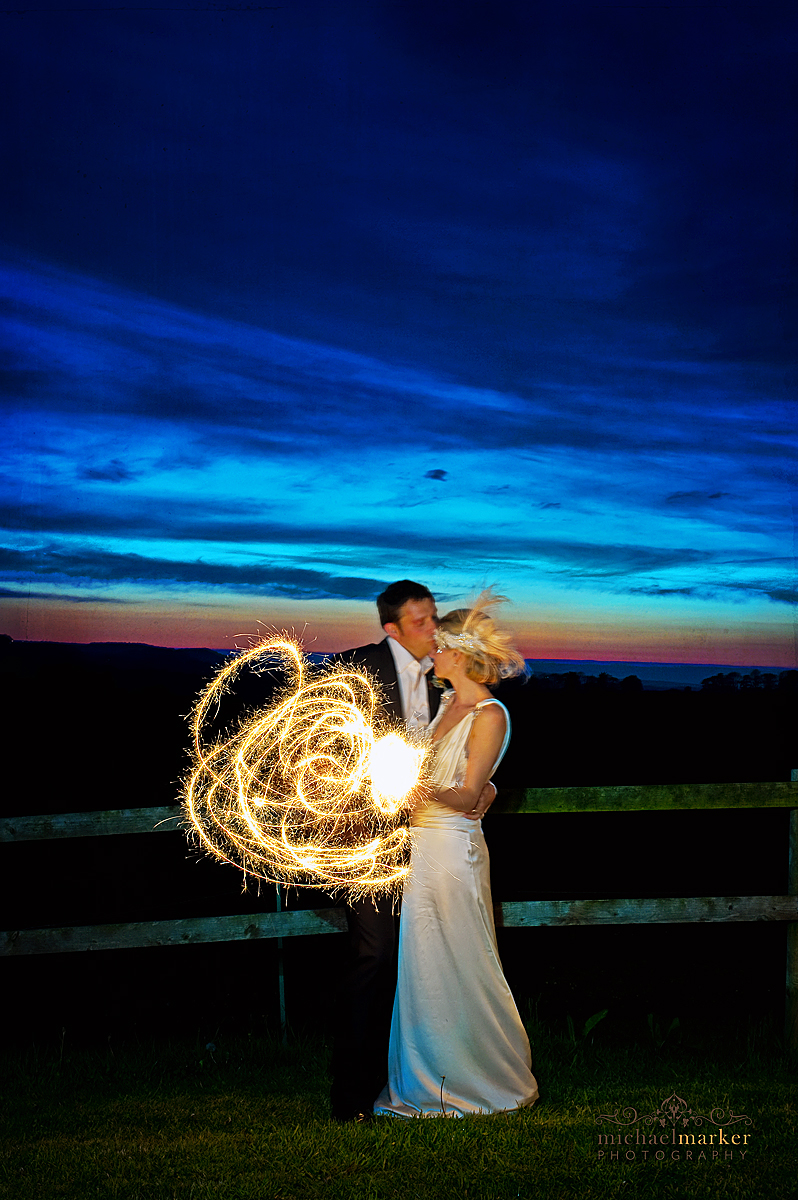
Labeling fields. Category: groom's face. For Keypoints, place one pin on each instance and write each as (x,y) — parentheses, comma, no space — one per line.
(415,629)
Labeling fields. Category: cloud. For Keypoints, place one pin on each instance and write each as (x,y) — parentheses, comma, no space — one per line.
(94,570)
(573,560)
(656,590)
(734,590)
(10,593)
(782,595)
(81,347)
(114,472)
(196,526)
(689,499)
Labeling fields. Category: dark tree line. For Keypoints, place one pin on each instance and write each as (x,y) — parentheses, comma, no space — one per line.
(731,681)
(734,681)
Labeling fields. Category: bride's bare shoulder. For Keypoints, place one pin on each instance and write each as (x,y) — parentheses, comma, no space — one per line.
(490,716)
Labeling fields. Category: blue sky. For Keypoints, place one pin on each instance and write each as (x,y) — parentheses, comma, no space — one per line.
(298,301)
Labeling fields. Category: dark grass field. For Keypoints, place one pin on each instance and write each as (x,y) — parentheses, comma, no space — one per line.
(157,1075)
(247,1118)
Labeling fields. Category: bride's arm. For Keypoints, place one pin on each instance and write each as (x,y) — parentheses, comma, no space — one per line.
(484,744)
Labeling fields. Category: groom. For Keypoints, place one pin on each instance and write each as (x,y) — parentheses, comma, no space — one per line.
(402,664)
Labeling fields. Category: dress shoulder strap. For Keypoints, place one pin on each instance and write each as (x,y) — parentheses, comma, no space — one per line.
(492,700)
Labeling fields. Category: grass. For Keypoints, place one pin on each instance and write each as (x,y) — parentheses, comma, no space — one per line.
(247,1118)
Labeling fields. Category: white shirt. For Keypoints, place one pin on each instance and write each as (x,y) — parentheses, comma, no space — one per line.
(413,695)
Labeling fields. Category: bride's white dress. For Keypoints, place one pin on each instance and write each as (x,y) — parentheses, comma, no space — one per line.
(458,1046)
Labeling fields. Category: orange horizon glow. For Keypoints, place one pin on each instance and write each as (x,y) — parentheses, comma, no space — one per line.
(329,626)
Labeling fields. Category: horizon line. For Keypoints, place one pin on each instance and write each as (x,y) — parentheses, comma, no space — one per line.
(324,653)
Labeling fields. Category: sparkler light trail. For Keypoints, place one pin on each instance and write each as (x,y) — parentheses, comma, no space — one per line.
(305,792)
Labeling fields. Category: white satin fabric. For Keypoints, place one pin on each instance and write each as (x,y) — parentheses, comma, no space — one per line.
(458,1046)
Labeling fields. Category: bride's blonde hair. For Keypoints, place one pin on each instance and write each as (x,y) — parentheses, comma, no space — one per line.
(489,653)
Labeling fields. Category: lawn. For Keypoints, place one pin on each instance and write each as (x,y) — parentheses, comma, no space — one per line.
(247,1118)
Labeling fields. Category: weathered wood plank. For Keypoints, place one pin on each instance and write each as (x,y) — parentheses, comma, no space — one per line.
(511,915)
(190,931)
(661,911)
(628,798)
(666,797)
(91,824)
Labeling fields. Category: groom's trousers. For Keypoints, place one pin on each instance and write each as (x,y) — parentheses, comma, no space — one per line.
(363,1008)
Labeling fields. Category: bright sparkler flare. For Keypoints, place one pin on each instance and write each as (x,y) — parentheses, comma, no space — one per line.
(305,792)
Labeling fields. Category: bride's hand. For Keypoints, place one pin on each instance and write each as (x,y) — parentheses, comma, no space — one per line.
(486,798)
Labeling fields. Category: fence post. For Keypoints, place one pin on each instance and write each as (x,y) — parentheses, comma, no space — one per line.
(281,972)
(791,1008)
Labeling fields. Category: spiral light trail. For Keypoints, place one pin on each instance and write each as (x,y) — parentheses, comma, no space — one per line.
(304,792)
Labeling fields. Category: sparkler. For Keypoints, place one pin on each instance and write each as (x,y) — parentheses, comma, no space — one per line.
(305,792)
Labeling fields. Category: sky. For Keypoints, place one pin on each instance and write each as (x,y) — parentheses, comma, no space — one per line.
(299,300)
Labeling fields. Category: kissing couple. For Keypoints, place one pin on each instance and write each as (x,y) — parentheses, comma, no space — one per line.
(448,1039)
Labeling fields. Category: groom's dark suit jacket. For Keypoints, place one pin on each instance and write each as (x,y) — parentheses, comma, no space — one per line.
(378,661)
(365,999)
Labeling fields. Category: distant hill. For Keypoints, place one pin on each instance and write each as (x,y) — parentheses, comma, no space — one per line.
(654,676)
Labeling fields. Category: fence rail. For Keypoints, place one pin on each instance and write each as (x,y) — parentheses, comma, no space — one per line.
(515,914)
(675,797)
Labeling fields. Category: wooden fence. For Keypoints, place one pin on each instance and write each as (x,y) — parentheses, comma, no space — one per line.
(517,914)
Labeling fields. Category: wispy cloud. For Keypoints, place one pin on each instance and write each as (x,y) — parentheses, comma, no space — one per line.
(252,461)
(82,347)
(92,570)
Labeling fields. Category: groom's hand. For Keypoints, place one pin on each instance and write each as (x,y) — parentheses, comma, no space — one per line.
(486,798)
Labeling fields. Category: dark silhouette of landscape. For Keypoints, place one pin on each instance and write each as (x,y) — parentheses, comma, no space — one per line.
(103,726)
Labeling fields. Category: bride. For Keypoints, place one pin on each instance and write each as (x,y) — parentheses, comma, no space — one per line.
(458,1046)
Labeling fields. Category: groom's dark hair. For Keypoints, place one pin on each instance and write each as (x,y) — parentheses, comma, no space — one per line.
(396,595)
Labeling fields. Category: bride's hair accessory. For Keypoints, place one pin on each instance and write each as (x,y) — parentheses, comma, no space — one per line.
(474,632)
(457,641)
